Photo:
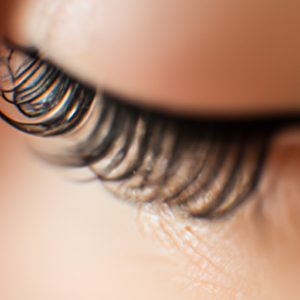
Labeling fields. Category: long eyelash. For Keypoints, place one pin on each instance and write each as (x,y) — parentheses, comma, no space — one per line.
(204,168)
(52,102)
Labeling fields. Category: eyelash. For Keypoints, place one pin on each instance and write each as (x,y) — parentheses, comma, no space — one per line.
(43,94)
(203,168)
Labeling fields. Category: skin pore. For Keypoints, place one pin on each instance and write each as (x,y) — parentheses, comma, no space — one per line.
(201,57)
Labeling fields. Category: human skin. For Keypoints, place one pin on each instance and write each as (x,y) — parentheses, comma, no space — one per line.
(202,57)
(210,58)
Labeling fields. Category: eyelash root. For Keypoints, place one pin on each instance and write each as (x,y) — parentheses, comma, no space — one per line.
(204,168)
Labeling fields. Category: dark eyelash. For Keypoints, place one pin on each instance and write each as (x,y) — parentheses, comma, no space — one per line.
(206,168)
(37,89)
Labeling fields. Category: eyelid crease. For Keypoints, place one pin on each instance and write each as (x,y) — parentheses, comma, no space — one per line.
(204,168)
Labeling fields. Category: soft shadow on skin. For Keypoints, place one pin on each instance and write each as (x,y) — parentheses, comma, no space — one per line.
(250,253)
(279,211)
(6,10)
(199,57)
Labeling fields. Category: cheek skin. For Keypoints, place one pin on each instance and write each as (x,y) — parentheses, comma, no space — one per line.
(254,252)
(198,57)
(64,240)
(78,236)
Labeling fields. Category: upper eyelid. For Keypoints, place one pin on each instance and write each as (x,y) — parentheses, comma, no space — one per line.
(221,146)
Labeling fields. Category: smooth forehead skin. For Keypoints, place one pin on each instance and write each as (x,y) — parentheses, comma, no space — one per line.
(200,57)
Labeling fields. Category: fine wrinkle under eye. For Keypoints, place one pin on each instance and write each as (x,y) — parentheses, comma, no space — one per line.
(205,168)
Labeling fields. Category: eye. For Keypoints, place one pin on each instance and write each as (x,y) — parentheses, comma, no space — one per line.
(202,168)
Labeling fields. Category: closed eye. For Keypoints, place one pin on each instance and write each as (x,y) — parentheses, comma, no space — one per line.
(203,168)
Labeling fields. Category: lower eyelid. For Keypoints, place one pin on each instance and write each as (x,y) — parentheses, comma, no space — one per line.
(204,168)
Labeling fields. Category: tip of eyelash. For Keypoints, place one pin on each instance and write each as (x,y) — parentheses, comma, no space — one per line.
(39,98)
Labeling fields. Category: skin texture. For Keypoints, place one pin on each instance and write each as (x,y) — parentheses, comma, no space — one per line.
(208,58)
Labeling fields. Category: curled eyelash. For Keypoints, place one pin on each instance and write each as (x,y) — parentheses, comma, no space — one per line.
(41,99)
(204,168)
